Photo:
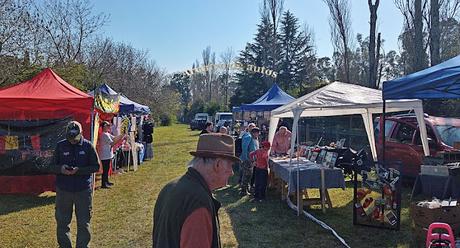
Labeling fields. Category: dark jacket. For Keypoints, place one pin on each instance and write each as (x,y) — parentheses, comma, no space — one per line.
(176,201)
(81,155)
(147,130)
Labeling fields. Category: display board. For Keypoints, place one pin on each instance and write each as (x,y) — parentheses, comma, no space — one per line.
(27,147)
(377,198)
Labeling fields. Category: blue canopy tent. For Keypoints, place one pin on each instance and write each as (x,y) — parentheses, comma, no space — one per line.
(275,97)
(126,105)
(441,81)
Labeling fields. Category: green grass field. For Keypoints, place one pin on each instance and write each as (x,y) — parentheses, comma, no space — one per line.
(122,216)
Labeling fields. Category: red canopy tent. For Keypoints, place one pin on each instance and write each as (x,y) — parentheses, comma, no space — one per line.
(46,96)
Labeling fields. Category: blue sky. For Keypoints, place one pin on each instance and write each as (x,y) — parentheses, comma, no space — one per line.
(175,32)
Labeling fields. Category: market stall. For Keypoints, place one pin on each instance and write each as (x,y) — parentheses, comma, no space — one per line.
(33,115)
(127,118)
(260,108)
(441,81)
(338,99)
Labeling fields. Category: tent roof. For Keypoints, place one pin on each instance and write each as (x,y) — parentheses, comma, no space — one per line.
(340,98)
(272,99)
(104,89)
(46,85)
(439,81)
(128,106)
(107,90)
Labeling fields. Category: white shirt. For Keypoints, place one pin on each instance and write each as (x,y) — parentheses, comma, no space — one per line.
(106,146)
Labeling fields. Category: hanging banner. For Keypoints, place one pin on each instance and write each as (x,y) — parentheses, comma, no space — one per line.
(95,137)
(27,147)
(105,102)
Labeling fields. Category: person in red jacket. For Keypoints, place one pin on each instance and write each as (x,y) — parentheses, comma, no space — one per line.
(260,157)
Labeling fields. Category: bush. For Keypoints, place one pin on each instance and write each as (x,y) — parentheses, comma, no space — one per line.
(165,120)
(212,108)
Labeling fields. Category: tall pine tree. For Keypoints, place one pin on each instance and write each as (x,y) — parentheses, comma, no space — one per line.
(298,60)
(251,85)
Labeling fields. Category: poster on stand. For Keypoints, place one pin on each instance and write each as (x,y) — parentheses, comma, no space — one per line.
(377,198)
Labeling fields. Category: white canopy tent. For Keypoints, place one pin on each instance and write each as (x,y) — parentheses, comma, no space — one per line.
(338,99)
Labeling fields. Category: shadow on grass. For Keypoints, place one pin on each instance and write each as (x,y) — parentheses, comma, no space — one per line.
(16,203)
(273,224)
(173,143)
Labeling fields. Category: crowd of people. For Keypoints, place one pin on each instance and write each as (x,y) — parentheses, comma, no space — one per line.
(253,168)
(185,213)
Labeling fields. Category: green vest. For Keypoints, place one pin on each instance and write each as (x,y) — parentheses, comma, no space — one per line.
(176,201)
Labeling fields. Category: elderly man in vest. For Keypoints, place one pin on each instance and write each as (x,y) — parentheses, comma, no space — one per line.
(185,213)
(281,142)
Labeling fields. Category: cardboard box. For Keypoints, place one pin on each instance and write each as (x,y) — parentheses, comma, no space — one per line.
(423,217)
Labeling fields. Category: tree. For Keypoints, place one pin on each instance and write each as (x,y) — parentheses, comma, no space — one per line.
(248,85)
(298,59)
(227,58)
(373,64)
(308,71)
(326,70)
(68,25)
(258,54)
(291,49)
(19,41)
(434,32)
(418,35)
(209,60)
(181,83)
(341,34)
(273,11)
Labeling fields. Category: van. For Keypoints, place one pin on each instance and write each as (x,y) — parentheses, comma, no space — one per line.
(222,119)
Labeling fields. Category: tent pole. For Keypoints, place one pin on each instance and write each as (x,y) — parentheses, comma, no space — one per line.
(382,134)
(92,131)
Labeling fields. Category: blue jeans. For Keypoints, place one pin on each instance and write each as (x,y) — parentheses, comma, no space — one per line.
(261,177)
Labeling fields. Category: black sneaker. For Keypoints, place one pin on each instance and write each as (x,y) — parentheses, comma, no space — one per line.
(105,186)
(110,184)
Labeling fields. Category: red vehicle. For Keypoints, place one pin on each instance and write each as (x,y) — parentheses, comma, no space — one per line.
(403,140)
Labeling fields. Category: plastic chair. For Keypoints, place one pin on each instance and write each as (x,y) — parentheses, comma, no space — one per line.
(437,239)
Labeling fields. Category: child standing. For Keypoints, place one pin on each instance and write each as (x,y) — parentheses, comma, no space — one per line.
(260,156)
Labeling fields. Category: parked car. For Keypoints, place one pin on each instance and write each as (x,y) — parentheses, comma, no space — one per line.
(199,122)
(403,141)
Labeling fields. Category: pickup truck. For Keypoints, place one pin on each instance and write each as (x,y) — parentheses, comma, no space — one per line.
(403,141)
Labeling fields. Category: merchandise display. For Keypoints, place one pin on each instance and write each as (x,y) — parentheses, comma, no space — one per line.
(377,199)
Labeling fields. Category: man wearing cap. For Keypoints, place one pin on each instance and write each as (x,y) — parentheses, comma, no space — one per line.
(248,145)
(185,213)
(75,160)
